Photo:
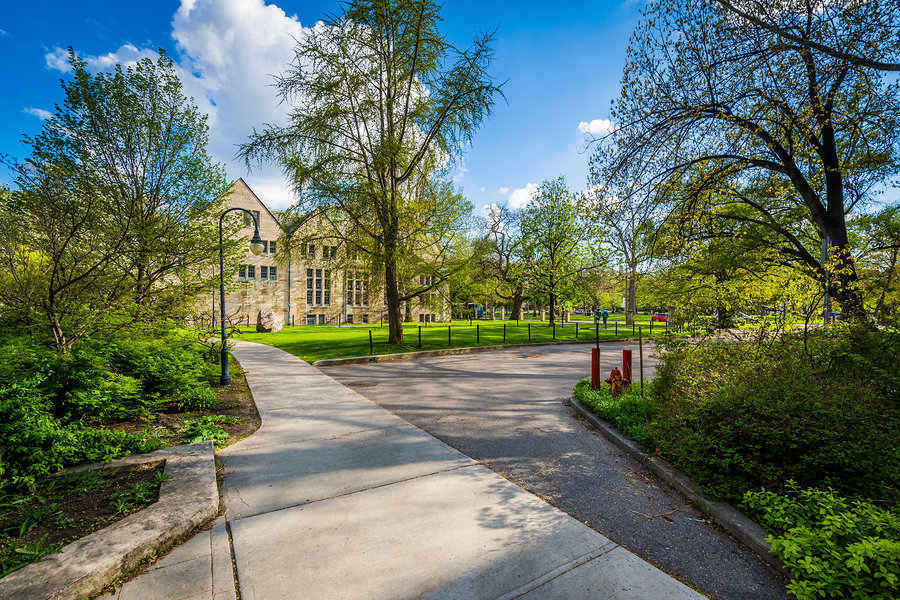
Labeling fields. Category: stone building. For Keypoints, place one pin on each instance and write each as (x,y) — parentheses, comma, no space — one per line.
(308,290)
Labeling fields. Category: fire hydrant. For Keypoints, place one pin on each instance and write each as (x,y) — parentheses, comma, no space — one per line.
(616,383)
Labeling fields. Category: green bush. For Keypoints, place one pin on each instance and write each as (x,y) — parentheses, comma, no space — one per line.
(833,547)
(207,428)
(196,398)
(822,411)
(630,413)
(49,402)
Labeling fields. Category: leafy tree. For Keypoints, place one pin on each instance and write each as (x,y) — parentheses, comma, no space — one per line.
(555,245)
(112,221)
(380,102)
(861,32)
(500,265)
(627,216)
(711,102)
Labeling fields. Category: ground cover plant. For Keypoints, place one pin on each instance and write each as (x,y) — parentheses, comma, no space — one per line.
(316,342)
(60,509)
(801,428)
(107,399)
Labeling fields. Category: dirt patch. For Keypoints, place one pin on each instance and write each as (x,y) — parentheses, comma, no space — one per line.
(66,507)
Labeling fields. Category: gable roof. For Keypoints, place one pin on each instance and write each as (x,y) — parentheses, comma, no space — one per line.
(240,180)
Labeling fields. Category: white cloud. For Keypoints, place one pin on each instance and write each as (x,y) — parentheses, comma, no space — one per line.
(503,191)
(490,210)
(597,127)
(483,189)
(226,54)
(127,54)
(40,113)
(519,197)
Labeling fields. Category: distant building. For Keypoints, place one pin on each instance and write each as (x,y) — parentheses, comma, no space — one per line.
(309,290)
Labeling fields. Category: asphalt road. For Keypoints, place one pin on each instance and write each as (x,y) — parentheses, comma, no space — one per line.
(507,409)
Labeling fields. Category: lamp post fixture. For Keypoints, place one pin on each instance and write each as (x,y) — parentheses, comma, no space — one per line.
(256,247)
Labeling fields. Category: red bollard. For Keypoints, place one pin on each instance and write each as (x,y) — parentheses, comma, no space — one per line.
(626,365)
(595,368)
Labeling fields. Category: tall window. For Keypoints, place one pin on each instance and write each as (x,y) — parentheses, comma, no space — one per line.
(272,247)
(357,292)
(309,287)
(251,272)
(318,287)
(264,272)
(327,287)
(273,274)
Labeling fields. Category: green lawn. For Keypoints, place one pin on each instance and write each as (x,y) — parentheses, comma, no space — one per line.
(317,342)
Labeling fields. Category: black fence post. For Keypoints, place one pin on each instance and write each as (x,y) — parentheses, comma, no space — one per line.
(477,333)
(371,345)
(504,333)
(617,329)
(449,343)
(632,328)
(651,326)
(529,332)
(576,330)
(420,337)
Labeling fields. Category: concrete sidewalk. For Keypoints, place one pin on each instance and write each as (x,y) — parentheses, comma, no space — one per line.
(335,497)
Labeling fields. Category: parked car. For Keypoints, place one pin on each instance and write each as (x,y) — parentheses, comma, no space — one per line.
(660,316)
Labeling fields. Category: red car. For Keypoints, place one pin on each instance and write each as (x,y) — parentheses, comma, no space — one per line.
(661,317)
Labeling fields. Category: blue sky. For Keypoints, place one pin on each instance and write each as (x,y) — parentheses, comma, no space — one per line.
(562,60)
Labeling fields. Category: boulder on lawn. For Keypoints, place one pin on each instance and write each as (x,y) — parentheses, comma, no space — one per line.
(268,321)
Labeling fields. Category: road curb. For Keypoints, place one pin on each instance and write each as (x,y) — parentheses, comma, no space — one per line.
(84,567)
(734,522)
(360,360)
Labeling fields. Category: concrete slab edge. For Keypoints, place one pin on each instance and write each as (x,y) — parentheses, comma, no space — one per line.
(84,567)
(737,524)
(360,360)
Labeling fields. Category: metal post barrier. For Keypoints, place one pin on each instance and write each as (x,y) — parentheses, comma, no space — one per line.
(504,333)
(641,352)
(595,368)
(420,337)
(651,326)
(617,329)
(632,328)
(626,365)
(371,345)
(576,330)
(449,343)
(529,332)
(477,333)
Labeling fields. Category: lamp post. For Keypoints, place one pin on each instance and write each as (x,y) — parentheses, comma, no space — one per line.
(256,247)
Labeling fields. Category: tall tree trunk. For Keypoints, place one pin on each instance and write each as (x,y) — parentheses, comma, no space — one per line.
(724,314)
(517,302)
(392,290)
(552,309)
(630,298)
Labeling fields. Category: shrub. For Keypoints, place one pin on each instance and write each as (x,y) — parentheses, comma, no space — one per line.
(196,398)
(629,413)
(207,428)
(49,401)
(822,411)
(833,547)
